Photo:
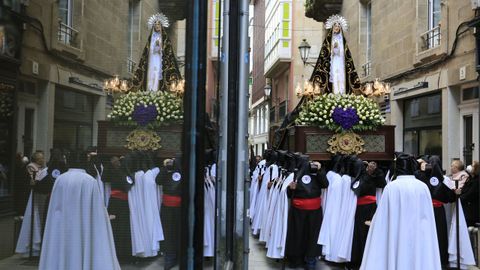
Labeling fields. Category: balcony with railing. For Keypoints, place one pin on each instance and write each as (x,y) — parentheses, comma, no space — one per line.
(367,69)
(430,39)
(68,36)
(175,10)
(278,34)
(131,66)
(320,10)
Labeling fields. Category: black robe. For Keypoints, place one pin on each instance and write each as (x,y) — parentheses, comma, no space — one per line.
(367,186)
(469,200)
(444,194)
(121,210)
(304,225)
(170,216)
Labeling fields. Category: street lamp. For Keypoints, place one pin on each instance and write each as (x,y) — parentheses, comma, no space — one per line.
(268,90)
(304,49)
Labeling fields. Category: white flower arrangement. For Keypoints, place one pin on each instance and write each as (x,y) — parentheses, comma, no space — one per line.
(320,110)
(169,108)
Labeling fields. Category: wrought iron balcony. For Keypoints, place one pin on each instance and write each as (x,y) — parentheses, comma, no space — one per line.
(68,35)
(320,10)
(431,39)
(367,68)
(175,10)
(131,65)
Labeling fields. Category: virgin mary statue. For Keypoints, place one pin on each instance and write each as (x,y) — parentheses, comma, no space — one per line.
(158,66)
(335,71)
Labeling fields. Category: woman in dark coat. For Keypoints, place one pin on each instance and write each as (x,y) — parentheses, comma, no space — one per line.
(469,196)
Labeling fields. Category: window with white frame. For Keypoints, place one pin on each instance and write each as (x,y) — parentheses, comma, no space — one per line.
(133,32)
(65,11)
(432,37)
(260,131)
(257,121)
(366,35)
(368,14)
(66,33)
(433,13)
(265,118)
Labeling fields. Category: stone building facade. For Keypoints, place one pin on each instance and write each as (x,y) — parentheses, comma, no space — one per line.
(426,50)
(68,49)
(259,104)
(63,67)
(278,29)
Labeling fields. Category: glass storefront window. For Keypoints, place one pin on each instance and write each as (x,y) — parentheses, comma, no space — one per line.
(422,125)
(410,142)
(6,134)
(430,142)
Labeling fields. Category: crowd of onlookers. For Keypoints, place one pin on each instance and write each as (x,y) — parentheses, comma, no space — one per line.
(468,188)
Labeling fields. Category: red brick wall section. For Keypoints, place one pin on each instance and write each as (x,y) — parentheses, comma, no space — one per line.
(258,50)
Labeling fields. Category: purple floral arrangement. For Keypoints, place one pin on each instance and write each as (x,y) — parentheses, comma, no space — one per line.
(346,118)
(144,114)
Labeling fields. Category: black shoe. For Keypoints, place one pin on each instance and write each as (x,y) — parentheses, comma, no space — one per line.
(310,263)
(294,263)
(309,267)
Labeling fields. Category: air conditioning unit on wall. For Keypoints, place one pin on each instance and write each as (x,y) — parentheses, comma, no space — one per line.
(475,4)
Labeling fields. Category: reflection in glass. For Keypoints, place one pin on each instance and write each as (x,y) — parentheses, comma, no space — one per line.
(410,142)
(431,142)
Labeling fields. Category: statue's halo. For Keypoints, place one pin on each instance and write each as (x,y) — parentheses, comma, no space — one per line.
(159,17)
(336,19)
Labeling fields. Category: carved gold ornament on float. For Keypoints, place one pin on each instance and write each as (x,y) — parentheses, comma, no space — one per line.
(143,140)
(347,143)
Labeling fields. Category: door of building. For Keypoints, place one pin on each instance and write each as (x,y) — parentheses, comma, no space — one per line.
(470,132)
(28,131)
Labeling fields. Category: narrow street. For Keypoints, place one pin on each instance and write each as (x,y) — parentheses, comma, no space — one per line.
(256,261)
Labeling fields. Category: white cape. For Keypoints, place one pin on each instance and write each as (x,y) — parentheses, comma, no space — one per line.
(105,188)
(262,199)
(332,207)
(209,218)
(266,230)
(466,253)
(347,218)
(278,235)
(403,233)
(23,243)
(78,234)
(336,232)
(254,188)
(145,223)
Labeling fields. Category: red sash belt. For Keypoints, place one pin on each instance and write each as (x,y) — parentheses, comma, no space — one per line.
(437,203)
(307,204)
(171,201)
(118,194)
(364,200)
